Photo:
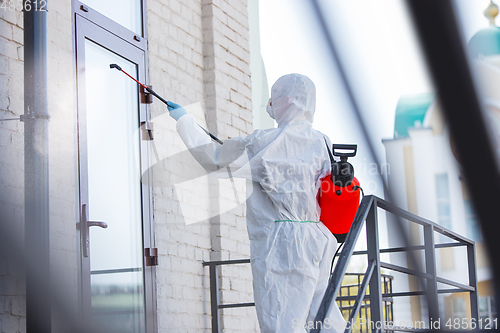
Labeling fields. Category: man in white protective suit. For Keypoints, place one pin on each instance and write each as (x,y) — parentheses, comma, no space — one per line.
(291,250)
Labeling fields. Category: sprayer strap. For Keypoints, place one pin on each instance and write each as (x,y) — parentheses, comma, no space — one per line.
(297,221)
(332,160)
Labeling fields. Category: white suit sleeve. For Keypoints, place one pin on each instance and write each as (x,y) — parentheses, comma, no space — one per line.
(216,159)
(192,134)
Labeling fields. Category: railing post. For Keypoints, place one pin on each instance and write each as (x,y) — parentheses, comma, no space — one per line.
(372,246)
(471,261)
(214,297)
(430,268)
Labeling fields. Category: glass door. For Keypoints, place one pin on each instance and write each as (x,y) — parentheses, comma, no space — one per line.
(114,205)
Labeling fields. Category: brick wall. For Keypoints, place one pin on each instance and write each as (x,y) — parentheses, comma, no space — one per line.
(62,147)
(11,166)
(63,159)
(198,53)
(228,95)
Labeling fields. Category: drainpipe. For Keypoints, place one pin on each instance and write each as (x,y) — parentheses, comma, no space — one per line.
(36,168)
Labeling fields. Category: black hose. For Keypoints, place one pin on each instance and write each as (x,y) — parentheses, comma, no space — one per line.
(333,260)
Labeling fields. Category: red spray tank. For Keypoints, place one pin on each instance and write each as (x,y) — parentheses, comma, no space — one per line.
(339,195)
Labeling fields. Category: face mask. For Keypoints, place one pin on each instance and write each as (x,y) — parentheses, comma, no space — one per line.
(269,109)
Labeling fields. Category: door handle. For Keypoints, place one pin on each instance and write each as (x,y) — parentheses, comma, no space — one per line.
(85,224)
(103,225)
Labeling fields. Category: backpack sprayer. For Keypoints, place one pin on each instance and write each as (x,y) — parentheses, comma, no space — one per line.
(152,92)
(339,196)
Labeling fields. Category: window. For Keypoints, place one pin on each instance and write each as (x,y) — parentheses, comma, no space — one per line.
(473,230)
(443,203)
(458,308)
(487,308)
(116,281)
(125,12)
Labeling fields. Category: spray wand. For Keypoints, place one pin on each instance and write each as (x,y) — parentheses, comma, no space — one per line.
(152,92)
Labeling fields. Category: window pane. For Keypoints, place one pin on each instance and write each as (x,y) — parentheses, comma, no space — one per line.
(114,190)
(443,209)
(473,230)
(113,161)
(442,186)
(443,203)
(458,308)
(117,302)
(483,304)
(125,12)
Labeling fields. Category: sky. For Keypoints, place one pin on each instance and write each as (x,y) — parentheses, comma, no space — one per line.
(381,56)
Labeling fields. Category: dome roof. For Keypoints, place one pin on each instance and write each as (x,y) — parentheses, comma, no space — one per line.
(487,41)
(410,113)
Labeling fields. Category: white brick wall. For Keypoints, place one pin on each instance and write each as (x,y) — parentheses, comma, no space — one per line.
(175,63)
(63,157)
(62,148)
(228,74)
(203,58)
(11,166)
(198,53)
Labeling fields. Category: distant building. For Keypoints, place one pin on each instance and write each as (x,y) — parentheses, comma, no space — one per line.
(425,179)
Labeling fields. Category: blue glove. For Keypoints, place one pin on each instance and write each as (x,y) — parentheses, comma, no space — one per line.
(175,110)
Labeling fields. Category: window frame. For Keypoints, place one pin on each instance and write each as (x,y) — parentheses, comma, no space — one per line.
(443,200)
(92,25)
(80,8)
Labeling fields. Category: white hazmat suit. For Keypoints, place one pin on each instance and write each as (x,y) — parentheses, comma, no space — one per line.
(291,251)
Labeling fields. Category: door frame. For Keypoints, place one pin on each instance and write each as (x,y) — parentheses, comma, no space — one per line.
(108,37)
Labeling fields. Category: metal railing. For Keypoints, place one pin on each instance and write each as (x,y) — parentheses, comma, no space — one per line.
(378,297)
(215,306)
(367,215)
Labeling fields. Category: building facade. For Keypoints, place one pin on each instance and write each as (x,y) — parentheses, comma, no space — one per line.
(116,158)
(426,179)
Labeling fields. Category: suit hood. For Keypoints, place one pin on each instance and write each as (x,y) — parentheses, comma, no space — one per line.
(293,100)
